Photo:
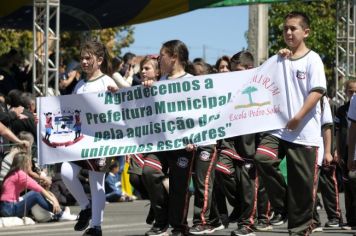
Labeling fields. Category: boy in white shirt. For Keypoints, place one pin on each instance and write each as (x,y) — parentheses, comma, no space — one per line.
(300,140)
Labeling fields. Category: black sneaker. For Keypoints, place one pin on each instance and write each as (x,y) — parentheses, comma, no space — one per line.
(217,227)
(176,232)
(333,223)
(201,229)
(157,231)
(92,232)
(243,231)
(278,219)
(83,220)
(262,226)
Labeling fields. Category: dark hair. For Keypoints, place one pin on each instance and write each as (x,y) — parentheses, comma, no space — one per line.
(305,21)
(243,58)
(114,165)
(116,62)
(99,50)
(13,98)
(206,68)
(179,49)
(223,58)
(128,56)
(198,59)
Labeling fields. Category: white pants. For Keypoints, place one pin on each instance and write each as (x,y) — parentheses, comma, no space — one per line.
(69,172)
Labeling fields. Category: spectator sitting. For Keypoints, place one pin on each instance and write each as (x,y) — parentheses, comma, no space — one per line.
(7,161)
(113,185)
(18,180)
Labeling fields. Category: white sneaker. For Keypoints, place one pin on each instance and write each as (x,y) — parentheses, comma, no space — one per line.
(66,216)
(317,229)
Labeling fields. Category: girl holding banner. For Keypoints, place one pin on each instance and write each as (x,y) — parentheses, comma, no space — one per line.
(173,61)
(95,63)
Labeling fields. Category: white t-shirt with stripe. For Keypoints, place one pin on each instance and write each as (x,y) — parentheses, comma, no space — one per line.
(100,84)
(303,75)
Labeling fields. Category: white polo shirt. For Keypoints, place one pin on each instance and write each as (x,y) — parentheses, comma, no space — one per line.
(303,76)
(100,84)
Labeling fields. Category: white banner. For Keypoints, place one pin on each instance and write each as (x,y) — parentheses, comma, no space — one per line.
(166,116)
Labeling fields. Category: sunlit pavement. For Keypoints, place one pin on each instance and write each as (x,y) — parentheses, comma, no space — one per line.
(128,219)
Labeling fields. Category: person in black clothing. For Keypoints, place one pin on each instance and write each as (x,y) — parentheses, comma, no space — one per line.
(341,130)
(8,79)
(205,216)
(27,124)
(170,208)
(70,78)
(236,167)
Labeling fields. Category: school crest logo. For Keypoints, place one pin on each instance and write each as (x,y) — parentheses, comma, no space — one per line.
(182,162)
(62,127)
(301,74)
(204,156)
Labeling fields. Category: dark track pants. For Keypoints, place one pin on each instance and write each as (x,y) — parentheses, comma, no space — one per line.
(169,208)
(298,198)
(240,186)
(205,211)
(329,191)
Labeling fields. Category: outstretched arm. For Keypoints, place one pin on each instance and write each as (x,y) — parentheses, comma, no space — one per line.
(7,133)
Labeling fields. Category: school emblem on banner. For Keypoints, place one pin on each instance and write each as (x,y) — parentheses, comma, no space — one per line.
(62,128)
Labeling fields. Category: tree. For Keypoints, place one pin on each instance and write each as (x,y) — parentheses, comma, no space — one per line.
(21,40)
(248,91)
(322,38)
(114,38)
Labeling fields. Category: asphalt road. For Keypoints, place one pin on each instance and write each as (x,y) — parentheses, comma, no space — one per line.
(128,219)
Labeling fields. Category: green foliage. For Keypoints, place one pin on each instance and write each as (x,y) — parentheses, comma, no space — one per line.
(20,40)
(114,38)
(322,38)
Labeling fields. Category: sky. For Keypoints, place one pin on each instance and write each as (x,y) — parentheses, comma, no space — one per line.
(217,31)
